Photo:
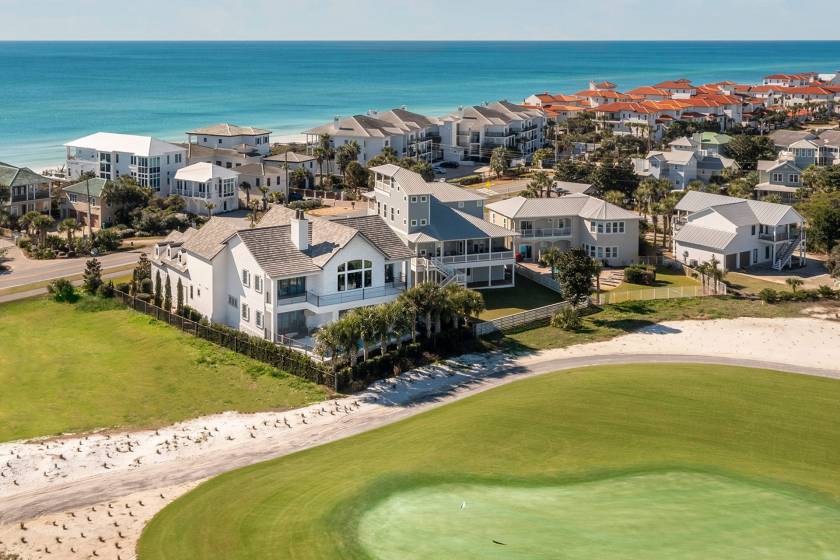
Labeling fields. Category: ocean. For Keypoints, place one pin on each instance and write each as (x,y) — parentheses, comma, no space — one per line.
(53,92)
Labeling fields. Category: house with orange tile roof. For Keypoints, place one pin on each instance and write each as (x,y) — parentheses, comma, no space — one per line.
(678,88)
(595,97)
(545,98)
(789,80)
(650,92)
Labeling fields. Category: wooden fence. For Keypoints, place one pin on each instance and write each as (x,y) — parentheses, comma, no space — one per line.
(652,293)
(529,317)
(280,357)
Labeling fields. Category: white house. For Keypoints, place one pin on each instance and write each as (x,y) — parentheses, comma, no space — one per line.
(287,276)
(737,233)
(605,231)
(203,184)
(780,177)
(231,136)
(28,190)
(151,162)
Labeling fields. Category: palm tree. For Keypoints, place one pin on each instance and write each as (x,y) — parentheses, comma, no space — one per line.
(794,283)
(209,206)
(539,186)
(320,156)
(614,197)
(328,341)
(41,224)
(368,325)
(412,302)
(264,190)
(68,226)
(246,186)
(644,195)
(463,302)
(551,257)
(597,267)
(350,333)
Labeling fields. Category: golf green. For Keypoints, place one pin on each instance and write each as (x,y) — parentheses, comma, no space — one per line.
(658,515)
(641,461)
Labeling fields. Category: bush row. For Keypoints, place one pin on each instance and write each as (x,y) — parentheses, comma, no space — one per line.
(769,295)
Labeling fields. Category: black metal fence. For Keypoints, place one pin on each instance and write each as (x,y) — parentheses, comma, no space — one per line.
(285,359)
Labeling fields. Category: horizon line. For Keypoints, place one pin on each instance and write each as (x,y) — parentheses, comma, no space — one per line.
(420,40)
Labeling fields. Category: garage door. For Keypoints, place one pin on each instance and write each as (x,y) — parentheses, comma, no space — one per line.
(731,261)
(745,259)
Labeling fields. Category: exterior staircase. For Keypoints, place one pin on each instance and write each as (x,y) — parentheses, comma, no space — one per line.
(785,254)
(446,274)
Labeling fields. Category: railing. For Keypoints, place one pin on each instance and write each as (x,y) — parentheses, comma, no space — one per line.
(542,279)
(288,342)
(645,294)
(545,232)
(390,289)
(498,134)
(475,257)
(779,236)
(509,322)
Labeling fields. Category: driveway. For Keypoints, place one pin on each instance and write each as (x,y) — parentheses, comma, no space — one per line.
(813,274)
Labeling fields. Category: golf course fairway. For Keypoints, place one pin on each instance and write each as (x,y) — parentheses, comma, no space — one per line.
(643,461)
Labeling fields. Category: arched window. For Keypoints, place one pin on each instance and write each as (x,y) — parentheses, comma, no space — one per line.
(353,275)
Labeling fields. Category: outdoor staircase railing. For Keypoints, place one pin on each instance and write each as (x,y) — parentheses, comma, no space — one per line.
(784,256)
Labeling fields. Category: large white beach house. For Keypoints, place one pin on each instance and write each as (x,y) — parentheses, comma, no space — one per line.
(737,233)
(108,155)
(288,275)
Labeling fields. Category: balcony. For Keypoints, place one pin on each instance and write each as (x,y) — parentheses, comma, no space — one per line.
(779,236)
(546,232)
(476,257)
(389,289)
(498,134)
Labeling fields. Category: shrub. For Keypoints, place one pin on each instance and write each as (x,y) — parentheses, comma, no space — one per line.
(144,297)
(147,286)
(469,180)
(124,287)
(106,290)
(827,292)
(640,274)
(768,295)
(62,290)
(567,319)
(307,204)
(107,240)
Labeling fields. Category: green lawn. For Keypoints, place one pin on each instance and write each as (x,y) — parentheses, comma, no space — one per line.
(507,301)
(637,461)
(665,278)
(750,284)
(609,321)
(93,364)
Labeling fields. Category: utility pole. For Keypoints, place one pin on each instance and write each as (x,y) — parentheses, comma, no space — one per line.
(90,209)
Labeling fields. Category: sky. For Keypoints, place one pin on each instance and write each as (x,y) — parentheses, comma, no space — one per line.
(419,20)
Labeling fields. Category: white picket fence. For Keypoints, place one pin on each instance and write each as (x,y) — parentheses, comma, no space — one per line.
(531,316)
(653,293)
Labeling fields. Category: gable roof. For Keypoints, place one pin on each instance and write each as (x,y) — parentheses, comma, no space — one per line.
(210,238)
(226,129)
(581,205)
(379,234)
(274,251)
(738,211)
(124,143)
(363,126)
(704,237)
(202,172)
(290,157)
(12,176)
(447,224)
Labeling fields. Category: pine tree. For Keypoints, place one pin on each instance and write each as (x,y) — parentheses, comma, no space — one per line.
(167,294)
(158,290)
(179,297)
(92,276)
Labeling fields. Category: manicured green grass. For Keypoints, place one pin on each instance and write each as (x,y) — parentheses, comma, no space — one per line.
(93,364)
(665,278)
(507,301)
(609,321)
(752,285)
(764,441)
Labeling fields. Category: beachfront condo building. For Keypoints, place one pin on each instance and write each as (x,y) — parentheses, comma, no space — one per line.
(444,228)
(472,133)
(151,162)
(232,137)
(409,135)
(27,190)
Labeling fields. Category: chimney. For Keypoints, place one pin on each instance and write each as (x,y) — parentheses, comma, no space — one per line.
(300,231)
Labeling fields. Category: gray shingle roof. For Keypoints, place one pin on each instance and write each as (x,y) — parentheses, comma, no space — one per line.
(784,138)
(274,251)
(704,237)
(359,125)
(12,176)
(290,157)
(210,239)
(380,235)
(573,188)
(96,184)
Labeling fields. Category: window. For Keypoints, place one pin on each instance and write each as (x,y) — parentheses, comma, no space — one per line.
(228,187)
(413,199)
(479,203)
(413,223)
(423,222)
(460,204)
(246,278)
(258,284)
(392,213)
(177,158)
(754,256)
(232,301)
(291,287)
(424,199)
(191,292)
(794,178)
(778,177)
(246,312)
(356,274)
(258,318)
(752,228)
(611,252)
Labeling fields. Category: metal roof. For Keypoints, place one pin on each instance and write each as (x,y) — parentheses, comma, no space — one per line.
(704,237)
(225,129)
(124,143)
(448,224)
(581,205)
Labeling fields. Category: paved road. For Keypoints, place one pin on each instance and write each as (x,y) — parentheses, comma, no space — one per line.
(111,486)
(23,271)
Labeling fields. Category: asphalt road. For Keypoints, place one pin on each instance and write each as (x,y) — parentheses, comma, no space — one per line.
(97,489)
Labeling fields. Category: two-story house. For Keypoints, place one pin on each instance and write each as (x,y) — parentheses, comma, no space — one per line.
(27,190)
(444,228)
(781,177)
(151,162)
(86,202)
(287,276)
(737,233)
(204,184)
(605,231)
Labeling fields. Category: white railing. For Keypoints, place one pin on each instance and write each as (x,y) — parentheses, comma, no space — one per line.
(475,257)
(521,319)
(542,279)
(644,294)
(546,232)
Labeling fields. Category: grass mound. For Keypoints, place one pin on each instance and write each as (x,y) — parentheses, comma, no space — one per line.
(776,429)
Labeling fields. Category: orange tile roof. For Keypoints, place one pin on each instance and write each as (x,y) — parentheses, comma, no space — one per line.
(648,90)
(625,106)
(604,93)
(681,83)
(808,90)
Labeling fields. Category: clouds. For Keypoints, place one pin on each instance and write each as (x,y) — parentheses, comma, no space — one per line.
(418,20)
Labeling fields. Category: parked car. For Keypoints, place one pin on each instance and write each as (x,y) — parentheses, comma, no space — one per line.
(450,164)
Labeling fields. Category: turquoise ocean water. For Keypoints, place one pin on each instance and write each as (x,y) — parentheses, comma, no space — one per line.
(53,92)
